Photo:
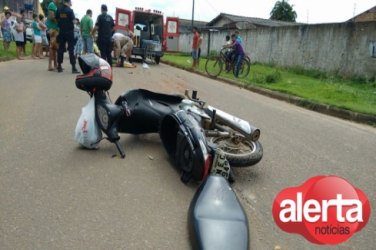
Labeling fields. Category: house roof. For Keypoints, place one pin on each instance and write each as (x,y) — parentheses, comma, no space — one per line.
(185,25)
(372,10)
(252,20)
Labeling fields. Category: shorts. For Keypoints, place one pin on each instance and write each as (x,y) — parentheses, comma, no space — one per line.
(37,39)
(20,44)
(194,54)
(45,40)
(7,36)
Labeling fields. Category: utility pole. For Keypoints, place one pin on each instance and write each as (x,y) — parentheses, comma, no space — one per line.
(354,11)
(193,12)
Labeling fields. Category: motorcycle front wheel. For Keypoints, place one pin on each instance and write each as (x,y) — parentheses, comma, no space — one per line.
(239,151)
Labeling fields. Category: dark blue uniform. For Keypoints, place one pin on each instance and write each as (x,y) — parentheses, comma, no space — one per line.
(105,25)
(65,17)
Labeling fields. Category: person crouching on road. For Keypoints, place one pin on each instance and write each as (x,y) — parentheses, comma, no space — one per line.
(122,46)
(65,18)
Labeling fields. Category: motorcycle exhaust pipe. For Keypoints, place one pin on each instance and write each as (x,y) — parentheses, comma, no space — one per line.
(215,133)
(237,124)
(255,134)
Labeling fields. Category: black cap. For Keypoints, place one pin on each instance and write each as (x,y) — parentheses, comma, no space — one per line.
(104,7)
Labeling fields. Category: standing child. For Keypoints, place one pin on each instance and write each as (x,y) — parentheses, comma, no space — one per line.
(23,20)
(19,37)
(37,37)
(76,30)
(43,32)
(77,38)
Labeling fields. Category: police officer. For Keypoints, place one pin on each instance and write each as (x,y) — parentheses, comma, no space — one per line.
(65,17)
(105,26)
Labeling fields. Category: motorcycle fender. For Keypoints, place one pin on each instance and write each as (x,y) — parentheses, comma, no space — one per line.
(185,142)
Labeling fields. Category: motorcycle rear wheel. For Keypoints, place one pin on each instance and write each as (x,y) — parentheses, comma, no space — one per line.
(241,152)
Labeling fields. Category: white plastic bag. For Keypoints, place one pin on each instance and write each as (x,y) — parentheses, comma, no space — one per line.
(88,133)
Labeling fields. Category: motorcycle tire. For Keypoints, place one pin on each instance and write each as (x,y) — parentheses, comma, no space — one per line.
(249,154)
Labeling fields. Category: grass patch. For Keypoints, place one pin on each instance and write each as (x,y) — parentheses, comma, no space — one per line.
(356,94)
(11,53)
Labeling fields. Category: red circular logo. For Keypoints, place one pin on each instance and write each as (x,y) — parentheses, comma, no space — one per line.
(324,210)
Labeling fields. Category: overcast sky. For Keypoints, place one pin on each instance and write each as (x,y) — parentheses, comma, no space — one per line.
(308,11)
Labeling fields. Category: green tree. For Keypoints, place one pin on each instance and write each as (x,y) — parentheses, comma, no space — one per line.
(283,11)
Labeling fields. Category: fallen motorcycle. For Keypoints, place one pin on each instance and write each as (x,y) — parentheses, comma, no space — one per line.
(141,111)
(202,141)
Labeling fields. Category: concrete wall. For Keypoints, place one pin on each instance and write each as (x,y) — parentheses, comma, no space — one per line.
(343,48)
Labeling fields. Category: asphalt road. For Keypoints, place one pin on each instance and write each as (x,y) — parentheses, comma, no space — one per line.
(55,195)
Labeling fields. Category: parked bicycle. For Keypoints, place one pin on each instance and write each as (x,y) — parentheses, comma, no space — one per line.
(216,64)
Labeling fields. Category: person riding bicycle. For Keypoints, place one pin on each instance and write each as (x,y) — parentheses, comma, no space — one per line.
(228,52)
(237,55)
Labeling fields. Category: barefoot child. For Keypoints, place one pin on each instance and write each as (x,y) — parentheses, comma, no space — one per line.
(19,37)
(37,37)
(43,33)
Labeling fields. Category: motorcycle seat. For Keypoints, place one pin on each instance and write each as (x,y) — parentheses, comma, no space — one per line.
(160,97)
(217,218)
(162,103)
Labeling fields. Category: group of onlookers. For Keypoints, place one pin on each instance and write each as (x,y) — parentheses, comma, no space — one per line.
(14,31)
(39,35)
(56,33)
(60,31)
